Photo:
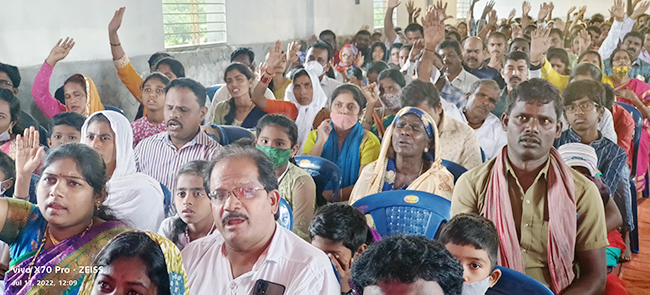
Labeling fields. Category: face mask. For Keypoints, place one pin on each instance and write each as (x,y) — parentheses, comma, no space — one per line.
(279,157)
(344,122)
(620,71)
(3,190)
(477,288)
(6,135)
(391,101)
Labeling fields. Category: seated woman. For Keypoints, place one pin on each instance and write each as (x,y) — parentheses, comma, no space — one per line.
(68,226)
(393,59)
(194,219)
(378,52)
(559,60)
(277,137)
(9,114)
(136,198)
(404,161)
(81,94)
(350,57)
(338,139)
(391,82)
(137,263)
(594,58)
(153,97)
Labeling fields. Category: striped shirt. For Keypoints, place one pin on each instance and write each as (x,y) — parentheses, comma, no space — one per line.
(157,157)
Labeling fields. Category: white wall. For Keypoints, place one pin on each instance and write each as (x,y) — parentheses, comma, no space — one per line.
(30,28)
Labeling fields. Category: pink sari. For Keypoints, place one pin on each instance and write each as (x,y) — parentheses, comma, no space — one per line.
(642,90)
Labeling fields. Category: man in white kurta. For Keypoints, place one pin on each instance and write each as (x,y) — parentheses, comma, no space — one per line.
(250,246)
(478,115)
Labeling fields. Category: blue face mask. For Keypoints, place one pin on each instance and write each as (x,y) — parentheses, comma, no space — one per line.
(477,288)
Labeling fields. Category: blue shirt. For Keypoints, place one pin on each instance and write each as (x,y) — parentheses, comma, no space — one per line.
(453,94)
(639,68)
(487,72)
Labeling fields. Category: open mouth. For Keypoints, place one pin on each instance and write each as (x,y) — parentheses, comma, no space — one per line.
(174,125)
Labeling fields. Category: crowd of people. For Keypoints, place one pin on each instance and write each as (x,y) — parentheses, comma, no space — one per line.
(184,198)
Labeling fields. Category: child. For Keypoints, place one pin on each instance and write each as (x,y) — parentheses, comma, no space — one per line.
(66,127)
(341,232)
(474,240)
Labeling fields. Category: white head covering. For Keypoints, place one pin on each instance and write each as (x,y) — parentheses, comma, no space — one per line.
(136,198)
(307,113)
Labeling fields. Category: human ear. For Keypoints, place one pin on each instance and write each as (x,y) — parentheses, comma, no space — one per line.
(274,200)
(294,150)
(504,121)
(494,277)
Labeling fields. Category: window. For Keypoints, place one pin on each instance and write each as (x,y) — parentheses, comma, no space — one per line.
(379,12)
(462,7)
(194,22)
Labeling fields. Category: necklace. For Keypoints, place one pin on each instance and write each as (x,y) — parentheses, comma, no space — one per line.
(54,242)
(187,232)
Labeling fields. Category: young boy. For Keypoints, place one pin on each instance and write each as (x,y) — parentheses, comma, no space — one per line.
(473,239)
(66,127)
(341,232)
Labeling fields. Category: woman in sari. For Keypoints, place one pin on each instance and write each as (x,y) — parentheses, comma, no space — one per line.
(136,198)
(634,92)
(391,82)
(240,109)
(342,138)
(9,114)
(81,94)
(68,226)
(137,263)
(350,57)
(404,162)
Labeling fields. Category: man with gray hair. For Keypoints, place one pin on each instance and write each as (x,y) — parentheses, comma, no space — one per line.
(252,251)
(481,100)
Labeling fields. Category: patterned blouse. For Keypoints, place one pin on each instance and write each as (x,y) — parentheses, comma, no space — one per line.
(142,129)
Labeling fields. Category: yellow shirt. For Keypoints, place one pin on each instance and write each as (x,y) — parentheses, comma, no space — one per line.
(368,151)
(280,90)
(530,212)
(548,73)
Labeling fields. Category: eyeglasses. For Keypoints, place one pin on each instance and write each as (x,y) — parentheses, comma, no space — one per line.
(220,196)
(584,106)
(6,83)
(347,55)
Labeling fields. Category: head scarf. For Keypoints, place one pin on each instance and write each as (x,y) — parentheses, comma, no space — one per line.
(436,179)
(579,154)
(177,275)
(307,113)
(128,190)
(93,102)
(357,59)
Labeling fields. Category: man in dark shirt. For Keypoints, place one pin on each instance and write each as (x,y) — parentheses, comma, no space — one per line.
(474,61)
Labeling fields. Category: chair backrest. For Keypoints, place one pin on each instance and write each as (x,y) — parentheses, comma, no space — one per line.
(483,157)
(515,283)
(638,128)
(114,109)
(323,172)
(286,215)
(168,199)
(210,91)
(405,211)
(230,134)
(455,169)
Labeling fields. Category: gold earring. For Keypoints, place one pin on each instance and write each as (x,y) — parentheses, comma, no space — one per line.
(426,150)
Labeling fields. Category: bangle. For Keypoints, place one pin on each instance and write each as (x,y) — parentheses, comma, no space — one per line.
(118,44)
(266,78)
(269,73)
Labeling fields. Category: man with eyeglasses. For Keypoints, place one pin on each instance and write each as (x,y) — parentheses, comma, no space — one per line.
(546,214)
(252,247)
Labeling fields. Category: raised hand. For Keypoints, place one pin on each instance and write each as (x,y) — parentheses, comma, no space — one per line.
(364,28)
(313,39)
(471,7)
(434,28)
(492,19)
(539,44)
(416,51)
(639,11)
(525,8)
(571,10)
(60,50)
(442,10)
(517,32)
(488,7)
(274,59)
(584,41)
(292,52)
(617,10)
(410,7)
(371,94)
(543,12)
(512,15)
(393,3)
(416,14)
(116,22)
(29,153)
(583,9)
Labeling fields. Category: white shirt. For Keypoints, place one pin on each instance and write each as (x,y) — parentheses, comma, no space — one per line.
(491,136)
(290,261)
(451,110)
(329,85)
(464,81)
(605,126)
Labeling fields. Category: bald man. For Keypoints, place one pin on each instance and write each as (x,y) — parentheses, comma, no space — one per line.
(474,61)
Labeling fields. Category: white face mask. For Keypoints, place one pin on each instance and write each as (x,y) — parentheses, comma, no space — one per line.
(477,288)
(6,135)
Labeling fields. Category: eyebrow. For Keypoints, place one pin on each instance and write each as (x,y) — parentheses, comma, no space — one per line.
(100,134)
(190,188)
(64,176)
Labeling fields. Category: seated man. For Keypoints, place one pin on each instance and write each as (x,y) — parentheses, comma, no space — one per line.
(407,265)
(323,53)
(341,232)
(160,155)
(474,58)
(244,197)
(515,70)
(452,58)
(540,198)
(474,241)
(458,142)
(65,127)
(477,114)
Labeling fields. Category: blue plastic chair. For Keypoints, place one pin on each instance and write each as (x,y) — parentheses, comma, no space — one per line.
(638,128)
(405,211)
(285,215)
(114,109)
(515,283)
(325,173)
(230,134)
(455,169)
(210,91)
(483,157)
(168,199)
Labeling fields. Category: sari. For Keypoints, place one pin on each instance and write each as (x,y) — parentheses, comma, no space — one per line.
(225,115)
(642,90)
(177,275)
(347,158)
(358,59)
(61,268)
(379,176)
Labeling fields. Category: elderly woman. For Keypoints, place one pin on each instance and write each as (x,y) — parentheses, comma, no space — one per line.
(403,162)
